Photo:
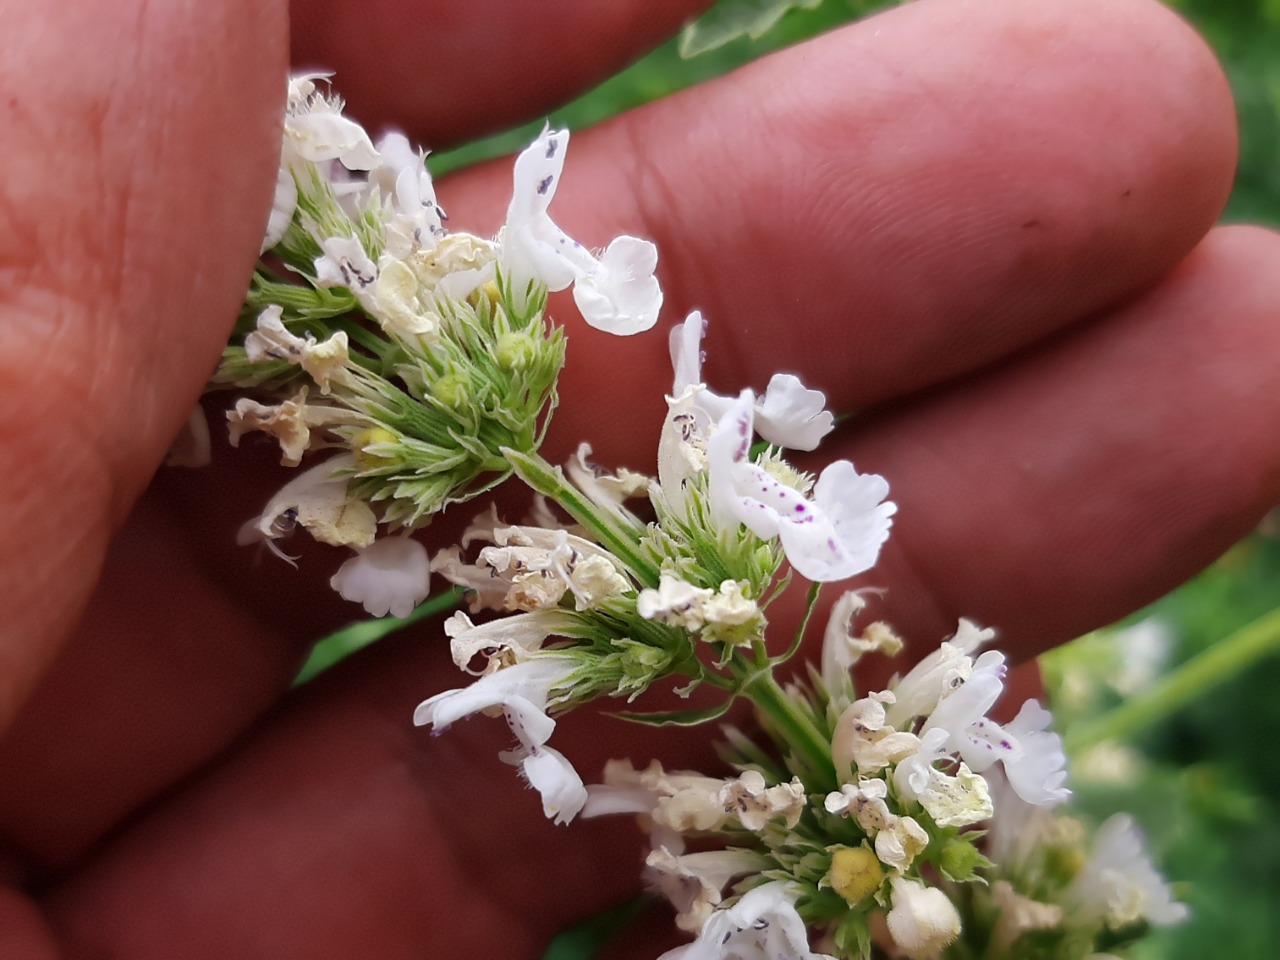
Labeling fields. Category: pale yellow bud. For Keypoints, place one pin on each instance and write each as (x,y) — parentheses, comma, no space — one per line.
(360,444)
(855,873)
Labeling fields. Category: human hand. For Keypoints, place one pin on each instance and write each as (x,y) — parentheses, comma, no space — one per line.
(999,213)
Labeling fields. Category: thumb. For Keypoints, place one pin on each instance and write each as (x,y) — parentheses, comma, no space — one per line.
(141,146)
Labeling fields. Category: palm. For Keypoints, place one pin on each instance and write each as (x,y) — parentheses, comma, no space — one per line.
(984,224)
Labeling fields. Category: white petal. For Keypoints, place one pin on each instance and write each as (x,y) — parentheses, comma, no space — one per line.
(390,576)
(537,174)
(792,416)
(685,342)
(621,295)
(282,208)
(530,681)
(562,790)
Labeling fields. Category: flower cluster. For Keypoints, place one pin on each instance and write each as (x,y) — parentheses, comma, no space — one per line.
(901,822)
(413,353)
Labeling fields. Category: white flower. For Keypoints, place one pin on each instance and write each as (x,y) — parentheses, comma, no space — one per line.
(317,500)
(290,422)
(683,801)
(755,804)
(542,565)
(506,641)
(1038,775)
(900,842)
(315,129)
(404,181)
(606,490)
(1119,885)
(962,713)
(694,882)
(674,602)
(617,293)
(938,673)
(862,741)
(523,692)
(835,536)
(345,264)
(559,785)
(272,340)
(762,925)
(392,575)
(922,921)
(315,132)
(788,415)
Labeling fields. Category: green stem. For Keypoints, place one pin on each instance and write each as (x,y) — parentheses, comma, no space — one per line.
(1185,685)
(613,536)
(791,724)
(811,601)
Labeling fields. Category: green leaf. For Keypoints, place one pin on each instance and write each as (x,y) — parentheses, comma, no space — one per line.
(730,19)
(341,644)
(584,940)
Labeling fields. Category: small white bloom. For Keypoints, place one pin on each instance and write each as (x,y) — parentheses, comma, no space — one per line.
(862,742)
(617,293)
(957,801)
(787,415)
(923,921)
(290,422)
(505,641)
(677,801)
(900,843)
(1119,885)
(523,691)
(607,491)
(272,340)
(318,501)
(620,294)
(833,537)
(315,129)
(694,882)
(755,803)
(1037,775)
(962,712)
(391,575)
(762,925)
(403,180)
(944,669)
(346,264)
(562,790)
(674,602)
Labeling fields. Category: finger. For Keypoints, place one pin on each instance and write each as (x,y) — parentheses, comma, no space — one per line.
(1099,471)
(898,202)
(449,72)
(342,830)
(995,289)
(133,207)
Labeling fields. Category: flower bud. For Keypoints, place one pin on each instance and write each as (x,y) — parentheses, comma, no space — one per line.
(451,390)
(855,873)
(923,920)
(515,351)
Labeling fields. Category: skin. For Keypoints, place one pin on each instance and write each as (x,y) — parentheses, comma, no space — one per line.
(987,225)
